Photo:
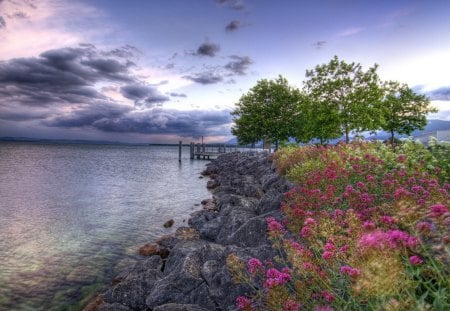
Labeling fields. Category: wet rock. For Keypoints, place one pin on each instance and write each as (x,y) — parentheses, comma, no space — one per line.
(169,223)
(153,249)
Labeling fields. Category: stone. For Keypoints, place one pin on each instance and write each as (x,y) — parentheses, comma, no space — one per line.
(153,249)
(169,223)
(179,307)
(113,307)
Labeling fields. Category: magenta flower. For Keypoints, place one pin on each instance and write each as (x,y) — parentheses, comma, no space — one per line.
(328,296)
(329,246)
(275,278)
(424,227)
(438,210)
(274,226)
(291,305)
(415,260)
(244,303)
(254,265)
(350,271)
(368,225)
(388,220)
(327,255)
(309,221)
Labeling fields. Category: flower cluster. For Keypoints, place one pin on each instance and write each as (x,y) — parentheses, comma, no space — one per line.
(362,222)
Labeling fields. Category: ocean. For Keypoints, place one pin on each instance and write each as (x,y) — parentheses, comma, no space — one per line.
(73,216)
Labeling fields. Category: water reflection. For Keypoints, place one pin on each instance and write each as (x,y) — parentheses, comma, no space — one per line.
(72,216)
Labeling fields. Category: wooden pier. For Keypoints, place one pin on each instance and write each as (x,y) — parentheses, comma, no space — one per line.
(208,151)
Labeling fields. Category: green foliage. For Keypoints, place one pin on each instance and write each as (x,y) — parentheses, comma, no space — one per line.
(344,98)
(266,112)
(403,110)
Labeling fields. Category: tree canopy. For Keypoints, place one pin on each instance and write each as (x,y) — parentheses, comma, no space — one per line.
(266,111)
(403,110)
(347,94)
(337,98)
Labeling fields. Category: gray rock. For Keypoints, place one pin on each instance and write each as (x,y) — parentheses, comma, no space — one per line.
(113,307)
(179,307)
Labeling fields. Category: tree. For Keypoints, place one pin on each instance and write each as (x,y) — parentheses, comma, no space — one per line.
(403,110)
(266,111)
(347,94)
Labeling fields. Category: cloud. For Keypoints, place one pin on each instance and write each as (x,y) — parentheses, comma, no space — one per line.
(319,44)
(208,49)
(205,78)
(19,15)
(239,64)
(143,95)
(65,76)
(2,22)
(87,115)
(351,31)
(191,123)
(232,4)
(173,94)
(233,25)
(442,93)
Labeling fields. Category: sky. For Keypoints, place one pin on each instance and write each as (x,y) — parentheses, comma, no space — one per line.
(160,71)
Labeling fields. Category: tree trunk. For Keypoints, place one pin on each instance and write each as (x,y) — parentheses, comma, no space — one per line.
(392,140)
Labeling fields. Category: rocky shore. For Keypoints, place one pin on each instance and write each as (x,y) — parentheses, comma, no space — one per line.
(188,271)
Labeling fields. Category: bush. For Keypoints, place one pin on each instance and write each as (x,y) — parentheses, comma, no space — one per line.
(366,229)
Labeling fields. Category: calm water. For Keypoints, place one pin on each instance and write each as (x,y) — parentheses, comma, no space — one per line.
(73,216)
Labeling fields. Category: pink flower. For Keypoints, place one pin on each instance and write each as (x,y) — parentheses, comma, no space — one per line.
(274,226)
(350,271)
(401,158)
(254,265)
(291,305)
(424,227)
(328,296)
(368,225)
(244,303)
(275,278)
(438,210)
(309,221)
(388,220)
(323,308)
(344,248)
(329,246)
(327,255)
(415,260)
(306,232)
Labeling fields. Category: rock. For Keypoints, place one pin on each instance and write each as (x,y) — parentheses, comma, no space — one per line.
(153,249)
(193,276)
(113,307)
(94,304)
(179,307)
(169,223)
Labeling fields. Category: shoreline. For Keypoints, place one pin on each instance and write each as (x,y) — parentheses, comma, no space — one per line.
(188,270)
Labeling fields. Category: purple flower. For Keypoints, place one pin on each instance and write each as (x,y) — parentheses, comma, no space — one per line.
(415,260)
(327,255)
(244,303)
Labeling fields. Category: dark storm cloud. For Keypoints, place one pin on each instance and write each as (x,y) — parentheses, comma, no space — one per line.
(2,22)
(60,76)
(319,44)
(239,64)
(442,93)
(205,78)
(127,51)
(143,95)
(208,49)
(232,4)
(87,115)
(194,123)
(233,25)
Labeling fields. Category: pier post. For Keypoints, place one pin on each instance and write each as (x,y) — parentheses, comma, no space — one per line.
(192,150)
(179,151)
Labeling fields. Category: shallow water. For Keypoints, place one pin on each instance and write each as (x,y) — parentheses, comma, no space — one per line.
(73,216)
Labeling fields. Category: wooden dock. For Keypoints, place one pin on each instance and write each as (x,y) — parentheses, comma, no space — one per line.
(208,151)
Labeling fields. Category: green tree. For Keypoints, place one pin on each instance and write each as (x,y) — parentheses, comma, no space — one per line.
(347,94)
(403,110)
(266,111)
